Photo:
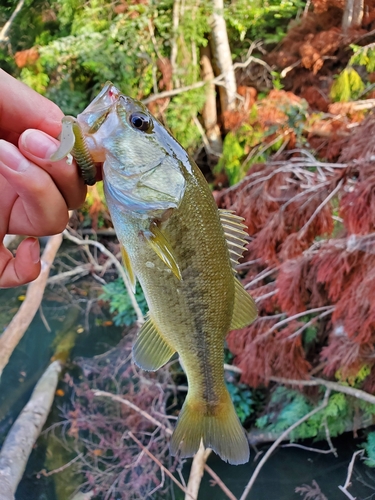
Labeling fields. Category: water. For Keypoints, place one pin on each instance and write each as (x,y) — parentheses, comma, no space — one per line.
(75,322)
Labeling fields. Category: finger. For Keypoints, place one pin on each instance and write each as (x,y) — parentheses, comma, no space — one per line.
(38,147)
(21,269)
(22,108)
(39,209)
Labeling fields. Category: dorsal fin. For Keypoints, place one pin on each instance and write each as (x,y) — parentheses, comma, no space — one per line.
(128,267)
(235,234)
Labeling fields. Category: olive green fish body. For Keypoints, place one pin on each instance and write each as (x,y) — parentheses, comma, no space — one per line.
(182,251)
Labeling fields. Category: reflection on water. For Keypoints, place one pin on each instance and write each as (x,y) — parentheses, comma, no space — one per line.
(71,327)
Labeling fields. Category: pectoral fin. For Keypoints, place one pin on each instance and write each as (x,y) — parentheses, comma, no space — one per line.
(151,351)
(128,267)
(163,249)
(245,310)
(235,234)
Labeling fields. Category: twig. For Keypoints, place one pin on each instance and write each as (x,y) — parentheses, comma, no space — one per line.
(260,277)
(283,436)
(307,448)
(348,483)
(312,320)
(166,471)
(334,386)
(291,318)
(324,202)
(219,482)
(21,321)
(134,407)
(196,471)
(328,437)
(120,269)
(44,473)
(79,271)
(44,319)
(168,431)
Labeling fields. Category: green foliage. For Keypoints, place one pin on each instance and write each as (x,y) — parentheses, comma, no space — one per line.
(347,86)
(363,56)
(119,302)
(267,20)
(242,399)
(369,446)
(287,406)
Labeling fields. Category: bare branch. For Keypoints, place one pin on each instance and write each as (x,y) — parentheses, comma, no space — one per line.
(120,269)
(168,431)
(281,438)
(348,483)
(164,469)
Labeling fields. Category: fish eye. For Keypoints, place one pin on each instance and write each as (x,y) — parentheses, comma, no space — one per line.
(140,121)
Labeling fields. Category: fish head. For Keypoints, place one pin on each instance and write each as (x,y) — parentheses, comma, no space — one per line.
(144,167)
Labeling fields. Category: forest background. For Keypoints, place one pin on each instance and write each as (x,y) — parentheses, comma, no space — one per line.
(274,101)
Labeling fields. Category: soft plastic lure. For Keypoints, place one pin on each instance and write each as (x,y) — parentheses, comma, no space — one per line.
(73,142)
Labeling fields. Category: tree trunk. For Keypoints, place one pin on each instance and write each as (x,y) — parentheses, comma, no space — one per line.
(25,431)
(209,112)
(223,57)
(353,14)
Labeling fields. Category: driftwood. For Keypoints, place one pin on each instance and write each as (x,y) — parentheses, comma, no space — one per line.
(25,431)
(21,321)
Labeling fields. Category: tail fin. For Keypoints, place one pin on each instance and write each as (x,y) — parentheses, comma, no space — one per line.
(222,432)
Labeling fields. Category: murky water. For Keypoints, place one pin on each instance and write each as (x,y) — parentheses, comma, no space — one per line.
(72,320)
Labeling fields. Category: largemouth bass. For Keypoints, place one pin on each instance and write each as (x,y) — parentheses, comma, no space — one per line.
(183,250)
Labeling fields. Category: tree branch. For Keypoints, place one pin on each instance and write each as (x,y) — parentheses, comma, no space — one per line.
(8,24)
(196,472)
(281,438)
(120,269)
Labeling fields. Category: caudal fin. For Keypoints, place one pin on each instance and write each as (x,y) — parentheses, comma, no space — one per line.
(223,432)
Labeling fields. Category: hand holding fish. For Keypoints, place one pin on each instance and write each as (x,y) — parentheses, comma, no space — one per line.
(35,194)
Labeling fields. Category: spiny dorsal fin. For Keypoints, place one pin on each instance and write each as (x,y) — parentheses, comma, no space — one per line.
(235,234)
(128,267)
(244,310)
(163,249)
(150,350)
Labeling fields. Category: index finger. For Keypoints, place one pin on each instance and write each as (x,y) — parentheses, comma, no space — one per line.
(22,108)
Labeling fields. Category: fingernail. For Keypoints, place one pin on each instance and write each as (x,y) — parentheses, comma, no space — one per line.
(38,143)
(11,157)
(34,251)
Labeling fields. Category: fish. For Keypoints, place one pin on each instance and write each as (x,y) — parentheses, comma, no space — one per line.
(182,249)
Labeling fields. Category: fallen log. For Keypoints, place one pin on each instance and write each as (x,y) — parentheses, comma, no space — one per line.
(22,436)
(21,321)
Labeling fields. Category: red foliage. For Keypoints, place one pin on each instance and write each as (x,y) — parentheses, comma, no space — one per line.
(278,353)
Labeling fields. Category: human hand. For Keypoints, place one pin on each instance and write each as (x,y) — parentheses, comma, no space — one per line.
(35,193)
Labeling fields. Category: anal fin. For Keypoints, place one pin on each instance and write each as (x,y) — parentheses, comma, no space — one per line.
(245,310)
(150,350)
